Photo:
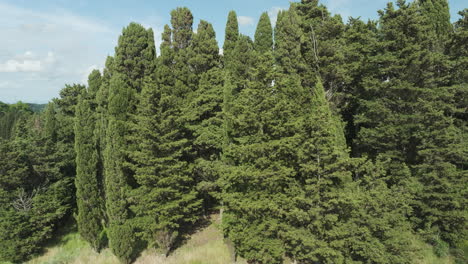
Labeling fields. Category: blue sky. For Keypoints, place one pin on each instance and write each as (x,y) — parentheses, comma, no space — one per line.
(47,43)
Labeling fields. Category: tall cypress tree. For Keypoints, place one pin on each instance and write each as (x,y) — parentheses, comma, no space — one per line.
(401,119)
(264,34)
(88,194)
(322,48)
(120,233)
(134,61)
(256,173)
(231,35)
(167,199)
(204,111)
(438,14)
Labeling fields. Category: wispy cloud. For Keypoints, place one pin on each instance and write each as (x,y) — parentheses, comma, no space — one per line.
(245,20)
(53,20)
(28,62)
(43,50)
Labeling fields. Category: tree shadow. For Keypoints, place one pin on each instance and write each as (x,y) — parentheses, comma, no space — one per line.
(188,230)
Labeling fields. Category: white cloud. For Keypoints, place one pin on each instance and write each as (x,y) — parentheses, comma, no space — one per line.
(245,20)
(28,62)
(54,20)
(221,51)
(41,51)
(273,14)
(85,73)
(21,66)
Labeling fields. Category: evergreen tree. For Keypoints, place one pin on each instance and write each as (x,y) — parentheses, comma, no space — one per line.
(167,199)
(134,61)
(135,56)
(402,120)
(322,47)
(458,49)
(231,35)
(438,14)
(204,112)
(264,34)
(257,173)
(361,47)
(120,233)
(88,196)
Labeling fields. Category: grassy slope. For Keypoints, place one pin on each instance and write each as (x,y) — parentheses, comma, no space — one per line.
(204,247)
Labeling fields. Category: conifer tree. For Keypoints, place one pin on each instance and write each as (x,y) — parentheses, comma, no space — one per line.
(256,175)
(458,49)
(134,61)
(120,233)
(400,99)
(231,35)
(322,48)
(438,14)
(204,111)
(167,199)
(101,100)
(264,34)
(88,196)
(135,55)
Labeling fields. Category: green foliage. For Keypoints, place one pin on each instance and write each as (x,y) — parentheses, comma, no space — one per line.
(10,115)
(264,34)
(324,142)
(438,13)
(458,48)
(88,194)
(231,35)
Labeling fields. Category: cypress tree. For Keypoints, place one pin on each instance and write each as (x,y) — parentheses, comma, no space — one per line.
(120,233)
(134,61)
(322,48)
(400,99)
(89,212)
(264,34)
(168,198)
(204,112)
(256,173)
(438,14)
(231,35)
(88,193)
(458,49)
(135,55)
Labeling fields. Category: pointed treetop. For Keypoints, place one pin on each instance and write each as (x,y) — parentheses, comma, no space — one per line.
(232,33)
(94,83)
(438,14)
(135,54)
(205,48)
(264,34)
(182,22)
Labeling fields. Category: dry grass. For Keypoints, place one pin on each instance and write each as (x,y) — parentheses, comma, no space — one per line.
(204,247)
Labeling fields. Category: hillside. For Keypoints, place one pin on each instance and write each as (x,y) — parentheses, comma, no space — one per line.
(321,140)
(204,247)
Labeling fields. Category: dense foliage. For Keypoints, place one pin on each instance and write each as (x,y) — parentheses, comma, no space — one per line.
(319,141)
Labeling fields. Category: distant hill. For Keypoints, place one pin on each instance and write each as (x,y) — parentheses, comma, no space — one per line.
(36,108)
(11,113)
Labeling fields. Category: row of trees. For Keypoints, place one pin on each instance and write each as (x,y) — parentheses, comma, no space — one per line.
(320,141)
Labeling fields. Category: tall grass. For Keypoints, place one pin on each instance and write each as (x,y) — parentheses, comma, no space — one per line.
(206,246)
